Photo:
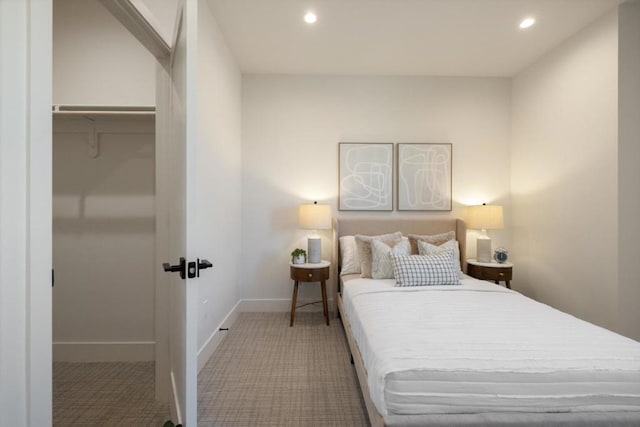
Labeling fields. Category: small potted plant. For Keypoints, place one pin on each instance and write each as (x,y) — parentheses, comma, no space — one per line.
(298,256)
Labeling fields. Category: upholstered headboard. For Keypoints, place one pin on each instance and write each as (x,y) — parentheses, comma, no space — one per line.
(374,226)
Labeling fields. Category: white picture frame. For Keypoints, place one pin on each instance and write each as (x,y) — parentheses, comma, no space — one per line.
(365,176)
(424,176)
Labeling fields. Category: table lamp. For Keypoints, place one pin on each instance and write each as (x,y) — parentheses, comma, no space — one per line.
(315,217)
(484,217)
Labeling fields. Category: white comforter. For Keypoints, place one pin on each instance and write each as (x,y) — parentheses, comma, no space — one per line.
(481,348)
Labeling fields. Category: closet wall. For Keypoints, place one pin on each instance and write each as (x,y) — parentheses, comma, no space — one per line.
(103,239)
(96,61)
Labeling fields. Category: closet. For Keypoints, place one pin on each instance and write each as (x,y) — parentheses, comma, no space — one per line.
(104,243)
(103,234)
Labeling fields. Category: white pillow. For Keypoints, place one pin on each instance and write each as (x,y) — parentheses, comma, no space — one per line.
(381,265)
(425,270)
(425,248)
(349,252)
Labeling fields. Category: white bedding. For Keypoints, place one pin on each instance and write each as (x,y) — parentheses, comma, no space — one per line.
(479,348)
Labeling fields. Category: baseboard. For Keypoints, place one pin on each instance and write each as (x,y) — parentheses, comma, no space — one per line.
(207,349)
(280,304)
(103,351)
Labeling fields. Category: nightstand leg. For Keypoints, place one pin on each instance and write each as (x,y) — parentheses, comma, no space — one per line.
(293,302)
(508,284)
(325,305)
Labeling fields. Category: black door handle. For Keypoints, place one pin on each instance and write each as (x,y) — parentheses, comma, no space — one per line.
(178,268)
(193,268)
(203,265)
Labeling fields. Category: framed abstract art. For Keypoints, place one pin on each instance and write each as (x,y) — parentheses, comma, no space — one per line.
(366,176)
(424,177)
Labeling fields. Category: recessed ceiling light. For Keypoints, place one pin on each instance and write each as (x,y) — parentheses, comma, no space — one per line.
(310,18)
(527,22)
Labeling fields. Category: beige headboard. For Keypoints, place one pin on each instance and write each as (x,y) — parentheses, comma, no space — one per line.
(373,226)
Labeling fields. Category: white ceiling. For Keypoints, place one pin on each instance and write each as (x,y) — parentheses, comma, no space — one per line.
(398,37)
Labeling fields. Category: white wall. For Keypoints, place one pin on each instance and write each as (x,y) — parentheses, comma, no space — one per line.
(104,240)
(96,61)
(628,169)
(564,175)
(291,126)
(218,167)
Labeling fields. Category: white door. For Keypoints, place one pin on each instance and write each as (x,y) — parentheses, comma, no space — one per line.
(178,166)
(176,190)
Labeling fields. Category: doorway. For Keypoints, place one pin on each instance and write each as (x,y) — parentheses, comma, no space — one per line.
(104,241)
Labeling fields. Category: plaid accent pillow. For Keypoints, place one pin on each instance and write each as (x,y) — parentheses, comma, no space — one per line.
(425,270)
(425,248)
(381,266)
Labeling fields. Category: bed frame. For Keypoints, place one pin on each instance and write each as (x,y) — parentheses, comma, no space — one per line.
(371,226)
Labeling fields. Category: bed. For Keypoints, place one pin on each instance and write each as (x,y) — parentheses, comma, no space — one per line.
(477,353)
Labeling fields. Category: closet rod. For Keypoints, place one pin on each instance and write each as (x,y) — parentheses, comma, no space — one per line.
(103,109)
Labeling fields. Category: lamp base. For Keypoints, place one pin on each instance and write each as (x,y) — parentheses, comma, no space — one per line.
(314,250)
(483,249)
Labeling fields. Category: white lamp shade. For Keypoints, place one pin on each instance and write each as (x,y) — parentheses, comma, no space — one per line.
(485,217)
(315,217)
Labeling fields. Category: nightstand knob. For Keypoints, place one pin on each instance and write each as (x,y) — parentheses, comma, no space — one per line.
(501,274)
(310,275)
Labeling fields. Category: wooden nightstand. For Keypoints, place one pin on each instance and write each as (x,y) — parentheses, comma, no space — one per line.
(490,271)
(317,272)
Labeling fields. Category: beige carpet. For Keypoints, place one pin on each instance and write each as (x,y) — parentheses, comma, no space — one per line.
(106,394)
(265,373)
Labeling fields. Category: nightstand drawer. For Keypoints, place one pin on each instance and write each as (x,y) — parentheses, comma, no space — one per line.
(309,275)
(492,273)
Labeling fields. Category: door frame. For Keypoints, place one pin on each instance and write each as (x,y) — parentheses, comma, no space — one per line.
(163,131)
(26,211)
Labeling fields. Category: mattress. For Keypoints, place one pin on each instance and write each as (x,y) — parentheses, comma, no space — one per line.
(479,348)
